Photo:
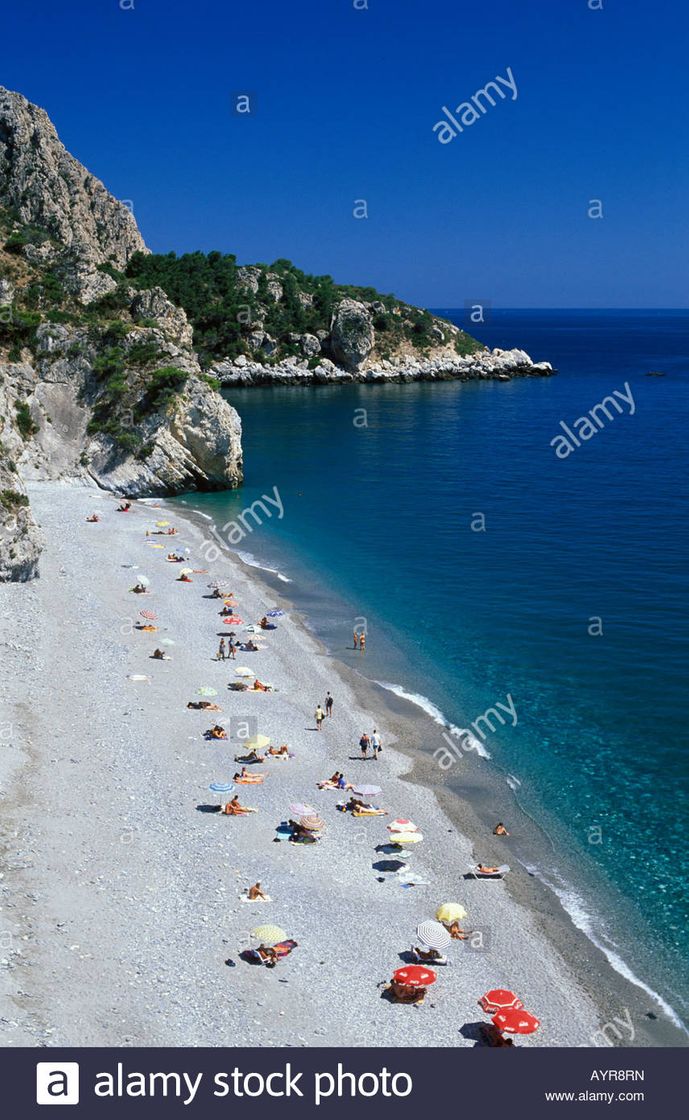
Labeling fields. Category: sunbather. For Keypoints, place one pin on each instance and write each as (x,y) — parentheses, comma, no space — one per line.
(250,647)
(172,532)
(160,655)
(405,993)
(124,507)
(139,589)
(234,809)
(432,956)
(270,955)
(500,830)
(258,686)
(331,783)
(93,517)
(247,779)
(278,752)
(255,892)
(483,870)
(204,706)
(216,732)
(456,932)
(252,756)
(184,578)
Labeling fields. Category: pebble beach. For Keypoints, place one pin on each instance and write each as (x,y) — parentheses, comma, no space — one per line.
(123,916)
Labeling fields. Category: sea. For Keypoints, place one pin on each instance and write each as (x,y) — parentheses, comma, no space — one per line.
(487,570)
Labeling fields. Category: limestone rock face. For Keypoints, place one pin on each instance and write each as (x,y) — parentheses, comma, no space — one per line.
(20,541)
(47,188)
(154,304)
(351,334)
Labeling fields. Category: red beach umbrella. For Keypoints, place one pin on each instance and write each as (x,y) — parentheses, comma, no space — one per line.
(148,614)
(516,1020)
(499,999)
(233,620)
(415,976)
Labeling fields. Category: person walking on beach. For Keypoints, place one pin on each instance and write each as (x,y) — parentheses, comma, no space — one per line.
(328,704)
(376,743)
(362,642)
(232,651)
(320,716)
(221,650)
(364,744)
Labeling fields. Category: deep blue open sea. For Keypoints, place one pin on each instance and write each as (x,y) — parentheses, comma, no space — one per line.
(573,600)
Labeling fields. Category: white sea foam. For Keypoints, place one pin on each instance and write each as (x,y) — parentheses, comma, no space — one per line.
(250,559)
(574,905)
(202,514)
(437,716)
(513,782)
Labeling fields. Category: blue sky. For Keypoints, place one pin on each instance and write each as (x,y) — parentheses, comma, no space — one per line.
(344,101)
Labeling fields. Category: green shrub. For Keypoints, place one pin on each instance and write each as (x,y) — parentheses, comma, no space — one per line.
(12,500)
(25,423)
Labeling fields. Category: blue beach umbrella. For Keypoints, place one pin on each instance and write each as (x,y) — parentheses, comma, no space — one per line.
(274,614)
(221,787)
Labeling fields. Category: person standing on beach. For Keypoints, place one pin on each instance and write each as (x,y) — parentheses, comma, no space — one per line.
(363,743)
(232,651)
(356,640)
(376,743)
(362,642)
(221,650)
(320,716)
(328,704)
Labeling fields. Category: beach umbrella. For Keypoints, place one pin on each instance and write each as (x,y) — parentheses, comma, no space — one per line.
(312,822)
(500,999)
(186,571)
(368,791)
(206,691)
(274,614)
(162,524)
(242,671)
(221,787)
(144,580)
(299,809)
(515,1020)
(268,934)
(451,912)
(256,742)
(402,825)
(406,838)
(148,614)
(233,620)
(433,935)
(415,976)
(167,642)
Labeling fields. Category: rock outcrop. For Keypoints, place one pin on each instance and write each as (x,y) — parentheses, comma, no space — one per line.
(50,191)
(351,334)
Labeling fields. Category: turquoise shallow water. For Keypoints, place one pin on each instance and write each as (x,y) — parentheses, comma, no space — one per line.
(378,513)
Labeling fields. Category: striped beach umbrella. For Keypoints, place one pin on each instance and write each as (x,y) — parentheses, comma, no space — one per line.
(221,787)
(148,614)
(433,935)
(312,823)
(368,791)
(299,809)
(406,838)
(274,614)
(268,934)
(402,825)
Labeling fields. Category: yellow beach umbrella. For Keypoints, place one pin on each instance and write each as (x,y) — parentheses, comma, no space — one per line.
(256,742)
(268,934)
(450,912)
(406,838)
(162,524)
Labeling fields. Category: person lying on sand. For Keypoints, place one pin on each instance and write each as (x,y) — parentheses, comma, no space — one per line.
(355,805)
(300,833)
(405,993)
(124,507)
(146,627)
(337,781)
(250,647)
(264,624)
(234,809)
(432,956)
(216,732)
(270,955)
(500,830)
(226,612)
(246,779)
(255,892)
(172,532)
(456,932)
(184,579)
(252,756)
(93,517)
(174,558)
(139,589)
(160,655)
(204,706)
(483,870)
(279,752)
(258,686)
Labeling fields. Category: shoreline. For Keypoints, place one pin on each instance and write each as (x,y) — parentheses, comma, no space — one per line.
(132,893)
(609,988)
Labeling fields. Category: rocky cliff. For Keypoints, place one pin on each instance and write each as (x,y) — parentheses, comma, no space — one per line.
(96,380)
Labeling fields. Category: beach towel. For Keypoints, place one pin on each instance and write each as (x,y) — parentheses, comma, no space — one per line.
(250,780)
(245,898)
(369,813)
